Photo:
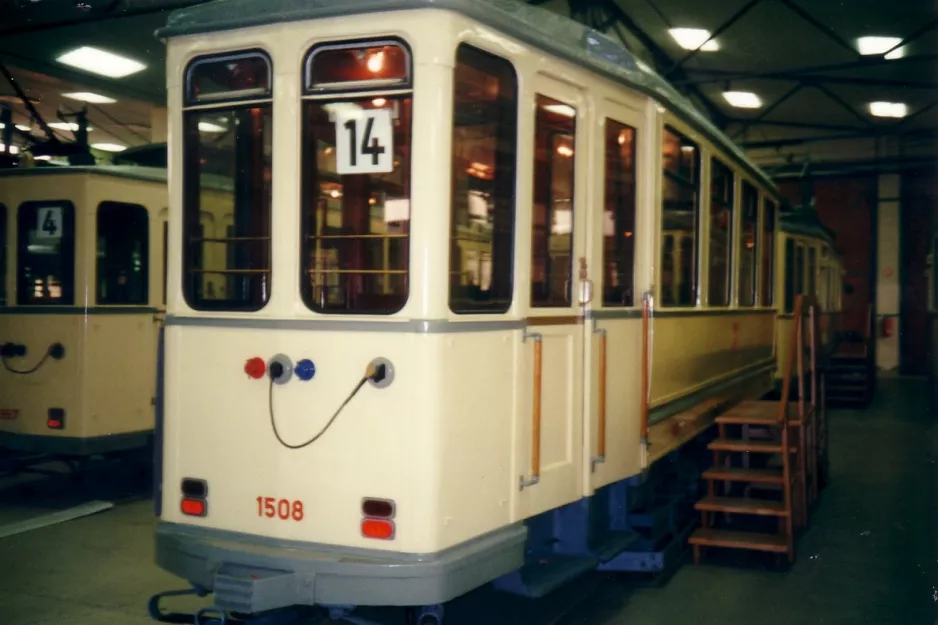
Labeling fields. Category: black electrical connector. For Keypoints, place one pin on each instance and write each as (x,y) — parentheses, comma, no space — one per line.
(12,350)
(57,351)
(381,372)
(276,370)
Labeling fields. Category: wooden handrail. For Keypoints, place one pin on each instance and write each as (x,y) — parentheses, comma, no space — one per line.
(535,413)
(646,315)
(601,434)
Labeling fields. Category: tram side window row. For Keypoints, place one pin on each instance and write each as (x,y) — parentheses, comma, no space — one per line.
(123,254)
(680,219)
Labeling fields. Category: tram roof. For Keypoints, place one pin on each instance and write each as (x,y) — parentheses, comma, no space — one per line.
(536,26)
(805,221)
(130,172)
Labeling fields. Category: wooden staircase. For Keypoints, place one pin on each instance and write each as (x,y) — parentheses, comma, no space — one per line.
(851,372)
(765,458)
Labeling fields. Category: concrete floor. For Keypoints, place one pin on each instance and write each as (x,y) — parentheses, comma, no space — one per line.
(870,555)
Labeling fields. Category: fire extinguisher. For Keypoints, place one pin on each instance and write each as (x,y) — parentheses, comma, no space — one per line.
(887,326)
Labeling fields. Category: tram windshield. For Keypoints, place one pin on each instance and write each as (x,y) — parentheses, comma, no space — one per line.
(356,178)
(46,254)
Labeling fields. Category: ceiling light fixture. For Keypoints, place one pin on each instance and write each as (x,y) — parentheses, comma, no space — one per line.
(66,126)
(873,45)
(109,147)
(210,127)
(91,98)
(17,126)
(889,109)
(691,38)
(101,62)
(742,99)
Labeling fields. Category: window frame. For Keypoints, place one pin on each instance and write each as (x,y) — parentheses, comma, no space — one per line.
(70,233)
(368,91)
(756,246)
(768,258)
(716,163)
(193,107)
(614,257)
(512,209)
(145,292)
(697,188)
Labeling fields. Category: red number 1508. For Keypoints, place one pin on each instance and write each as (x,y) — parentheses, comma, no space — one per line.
(271,507)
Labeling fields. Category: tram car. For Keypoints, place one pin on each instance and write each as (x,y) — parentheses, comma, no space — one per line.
(457,332)
(81,305)
(806,250)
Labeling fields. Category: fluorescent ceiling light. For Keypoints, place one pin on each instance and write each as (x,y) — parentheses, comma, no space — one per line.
(691,38)
(13,149)
(18,127)
(561,109)
(888,109)
(101,62)
(878,45)
(742,99)
(93,98)
(42,157)
(66,126)
(210,127)
(109,147)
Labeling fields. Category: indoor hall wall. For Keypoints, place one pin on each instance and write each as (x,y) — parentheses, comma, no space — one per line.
(919,193)
(847,205)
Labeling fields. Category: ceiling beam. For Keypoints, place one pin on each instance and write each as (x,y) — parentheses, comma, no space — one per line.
(663,59)
(765,112)
(717,76)
(727,24)
(824,28)
(921,31)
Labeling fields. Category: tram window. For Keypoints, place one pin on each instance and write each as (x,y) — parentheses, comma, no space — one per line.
(246,75)
(680,217)
(3,255)
(552,220)
(619,216)
(227,161)
(46,254)
(356,195)
(748,252)
(767,283)
(363,65)
(799,269)
(165,258)
(484,156)
(722,189)
(123,254)
(790,285)
(812,271)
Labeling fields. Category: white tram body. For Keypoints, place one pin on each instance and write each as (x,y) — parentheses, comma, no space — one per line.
(83,254)
(477,194)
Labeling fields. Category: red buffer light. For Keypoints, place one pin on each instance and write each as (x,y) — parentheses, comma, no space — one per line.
(255,368)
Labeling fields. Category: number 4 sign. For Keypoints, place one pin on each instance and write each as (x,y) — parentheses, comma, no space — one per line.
(364,142)
(49,222)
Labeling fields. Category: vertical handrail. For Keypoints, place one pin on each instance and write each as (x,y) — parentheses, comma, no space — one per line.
(535,413)
(601,426)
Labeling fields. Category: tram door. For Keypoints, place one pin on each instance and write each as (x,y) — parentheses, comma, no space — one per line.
(549,415)
(613,337)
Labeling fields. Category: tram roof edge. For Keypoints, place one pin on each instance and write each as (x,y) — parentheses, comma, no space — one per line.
(132,172)
(533,25)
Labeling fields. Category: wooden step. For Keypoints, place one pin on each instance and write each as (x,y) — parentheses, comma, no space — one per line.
(740,474)
(734,444)
(709,537)
(758,507)
(750,413)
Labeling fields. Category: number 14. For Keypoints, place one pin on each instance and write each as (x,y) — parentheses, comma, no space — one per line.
(369,145)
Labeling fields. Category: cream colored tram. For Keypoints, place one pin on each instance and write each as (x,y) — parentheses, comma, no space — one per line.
(932,276)
(810,264)
(431,345)
(82,299)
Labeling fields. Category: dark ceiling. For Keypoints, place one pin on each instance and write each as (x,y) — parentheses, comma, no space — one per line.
(799,56)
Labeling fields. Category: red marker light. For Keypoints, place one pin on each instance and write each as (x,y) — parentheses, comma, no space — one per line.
(255,368)
(374,528)
(193,507)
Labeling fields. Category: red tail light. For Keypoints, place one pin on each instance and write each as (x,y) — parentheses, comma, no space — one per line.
(55,419)
(377,528)
(194,507)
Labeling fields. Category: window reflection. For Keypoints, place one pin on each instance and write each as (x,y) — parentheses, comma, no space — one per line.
(680,216)
(748,252)
(484,152)
(552,236)
(722,188)
(619,215)
(123,254)
(767,288)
